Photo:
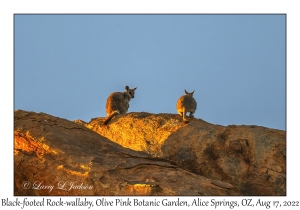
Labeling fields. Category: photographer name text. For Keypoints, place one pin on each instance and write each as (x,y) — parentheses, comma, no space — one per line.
(62,185)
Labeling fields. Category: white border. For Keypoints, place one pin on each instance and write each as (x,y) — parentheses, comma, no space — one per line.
(8,8)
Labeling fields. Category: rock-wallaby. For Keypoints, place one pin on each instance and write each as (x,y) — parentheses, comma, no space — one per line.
(118,103)
(186,103)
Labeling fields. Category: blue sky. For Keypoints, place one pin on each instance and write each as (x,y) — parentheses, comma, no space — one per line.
(67,65)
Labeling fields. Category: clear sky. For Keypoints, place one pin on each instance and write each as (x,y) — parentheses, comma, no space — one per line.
(67,65)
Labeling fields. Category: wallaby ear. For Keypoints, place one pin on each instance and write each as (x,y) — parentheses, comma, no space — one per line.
(186,92)
(134,88)
(126,87)
(193,92)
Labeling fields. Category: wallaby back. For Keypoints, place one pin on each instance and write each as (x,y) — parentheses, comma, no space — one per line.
(186,103)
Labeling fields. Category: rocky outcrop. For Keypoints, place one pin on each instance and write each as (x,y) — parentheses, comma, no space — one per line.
(252,159)
(54,156)
(145,154)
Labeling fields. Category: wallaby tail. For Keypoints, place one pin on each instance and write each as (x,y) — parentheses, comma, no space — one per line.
(108,118)
(184,116)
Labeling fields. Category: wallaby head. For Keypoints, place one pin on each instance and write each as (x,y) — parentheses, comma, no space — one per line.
(130,91)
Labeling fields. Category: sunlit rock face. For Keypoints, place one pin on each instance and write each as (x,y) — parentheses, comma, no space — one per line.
(145,154)
(138,131)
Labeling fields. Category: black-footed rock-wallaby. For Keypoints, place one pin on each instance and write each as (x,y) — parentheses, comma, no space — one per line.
(186,103)
(118,103)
